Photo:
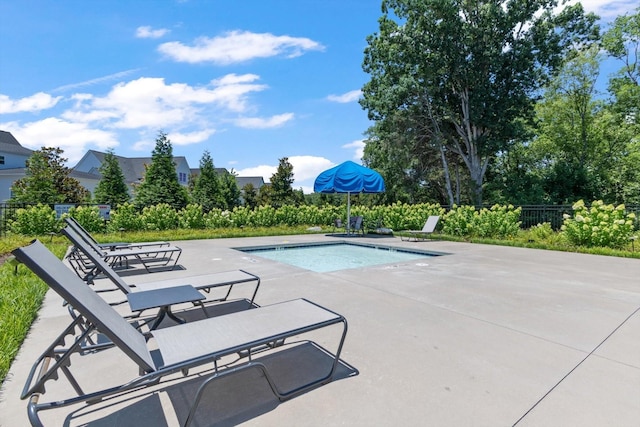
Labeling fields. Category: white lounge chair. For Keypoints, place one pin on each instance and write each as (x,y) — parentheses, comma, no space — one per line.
(428,229)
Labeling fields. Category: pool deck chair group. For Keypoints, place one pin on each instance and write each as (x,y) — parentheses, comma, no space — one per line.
(427,230)
(171,351)
(164,293)
(150,255)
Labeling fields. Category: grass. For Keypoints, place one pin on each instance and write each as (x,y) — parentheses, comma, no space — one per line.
(21,294)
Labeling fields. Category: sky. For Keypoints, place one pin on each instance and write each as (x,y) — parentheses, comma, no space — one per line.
(249,81)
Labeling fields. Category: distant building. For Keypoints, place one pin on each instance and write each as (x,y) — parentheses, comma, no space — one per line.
(13,157)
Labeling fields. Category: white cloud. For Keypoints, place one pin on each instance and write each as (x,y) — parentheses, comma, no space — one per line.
(35,102)
(262,123)
(178,138)
(73,138)
(351,96)
(608,10)
(146,32)
(305,171)
(359,149)
(238,46)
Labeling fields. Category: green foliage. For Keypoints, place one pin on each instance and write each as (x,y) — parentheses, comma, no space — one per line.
(218,218)
(497,222)
(206,190)
(20,298)
(126,218)
(230,193)
(160,183)
(281,181)
(463,75)
(35,221)
(600,225)
(192,217)
(47,180)
(159,217)
(250,196)
(112,189)
(89,217)
(460,221)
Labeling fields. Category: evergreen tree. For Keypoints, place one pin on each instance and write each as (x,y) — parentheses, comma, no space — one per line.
(206,189)
(250,196)
(229,191)
(281,181)
(112,188)
(160,183)
(47,180)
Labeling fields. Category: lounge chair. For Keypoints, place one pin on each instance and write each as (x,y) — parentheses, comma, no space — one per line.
(428,228)
(356,225)
(73,223)
(203,282)
(166,351)
(153,256)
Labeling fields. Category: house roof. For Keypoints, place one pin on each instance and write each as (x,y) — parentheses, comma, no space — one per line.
(256,181)
(133,168)
(9,144)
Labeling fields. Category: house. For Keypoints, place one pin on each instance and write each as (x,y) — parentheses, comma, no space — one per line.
(13,157)
(133,168)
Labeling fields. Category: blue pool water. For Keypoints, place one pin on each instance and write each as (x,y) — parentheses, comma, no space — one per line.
(323,258)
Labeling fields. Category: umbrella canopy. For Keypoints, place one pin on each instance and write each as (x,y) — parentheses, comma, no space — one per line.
(349,177)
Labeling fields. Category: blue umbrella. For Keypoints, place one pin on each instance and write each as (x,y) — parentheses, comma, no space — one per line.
(349,177)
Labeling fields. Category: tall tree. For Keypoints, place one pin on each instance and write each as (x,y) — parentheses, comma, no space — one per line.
(206,190)
(112,188)
(250,195)
(230,193)
(160,183)
(467,69)
(47,180)
(281,181)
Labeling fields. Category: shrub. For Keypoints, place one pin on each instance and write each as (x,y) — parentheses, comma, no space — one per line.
(159,217)
(89,217)
(601,225)
(126,218)
(192,216)
(498,222)
(35,220)
(217,218)
(459,221)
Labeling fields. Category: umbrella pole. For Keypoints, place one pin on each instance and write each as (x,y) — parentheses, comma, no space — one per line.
(348,213)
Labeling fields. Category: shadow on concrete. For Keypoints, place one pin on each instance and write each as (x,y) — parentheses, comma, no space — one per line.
(230,399)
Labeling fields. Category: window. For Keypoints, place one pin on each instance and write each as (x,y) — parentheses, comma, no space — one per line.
(1,160)
(182,177)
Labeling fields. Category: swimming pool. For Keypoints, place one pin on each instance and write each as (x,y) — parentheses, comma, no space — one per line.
(334,256)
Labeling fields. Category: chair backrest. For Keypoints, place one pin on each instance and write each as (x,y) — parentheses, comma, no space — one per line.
(81,297)
(431,223)
(355,222)
(84,234)
(96,259)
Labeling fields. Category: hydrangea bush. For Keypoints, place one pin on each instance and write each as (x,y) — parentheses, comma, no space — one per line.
(598,225)
(35,221)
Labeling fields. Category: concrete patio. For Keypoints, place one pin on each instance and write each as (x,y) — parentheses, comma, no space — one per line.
(484,336)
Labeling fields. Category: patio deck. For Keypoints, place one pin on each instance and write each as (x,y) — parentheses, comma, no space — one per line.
(484,336)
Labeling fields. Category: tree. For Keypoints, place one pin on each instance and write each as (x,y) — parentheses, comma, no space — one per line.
(47,180)
(281,181)
(206,190)
(230,193)
(568,142)
(160,183)
(250,195)
(467,71)
(112,188)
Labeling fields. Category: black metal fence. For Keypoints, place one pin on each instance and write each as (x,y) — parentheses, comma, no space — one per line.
(530,215)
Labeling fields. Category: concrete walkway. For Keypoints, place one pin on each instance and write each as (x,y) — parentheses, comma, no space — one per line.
(484,336)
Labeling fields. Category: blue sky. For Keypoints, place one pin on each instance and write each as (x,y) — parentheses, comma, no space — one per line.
(250,81)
